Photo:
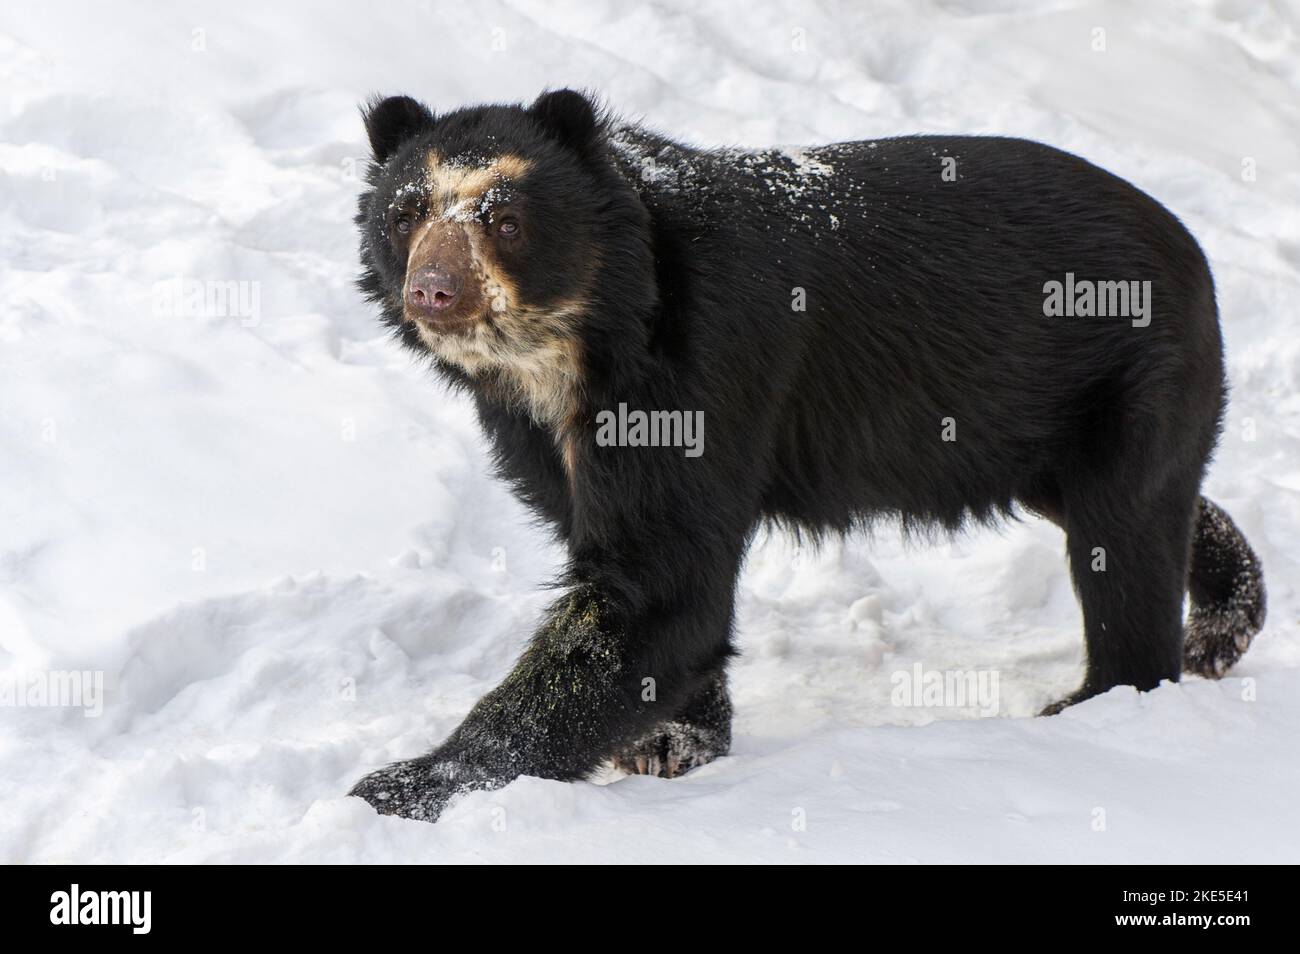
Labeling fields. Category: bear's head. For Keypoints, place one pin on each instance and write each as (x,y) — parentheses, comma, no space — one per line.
(493,236)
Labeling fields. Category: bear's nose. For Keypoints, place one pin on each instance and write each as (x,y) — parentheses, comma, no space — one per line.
(433,289)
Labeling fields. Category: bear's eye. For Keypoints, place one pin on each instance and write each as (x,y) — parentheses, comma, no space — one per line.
(403,225)
(508,228)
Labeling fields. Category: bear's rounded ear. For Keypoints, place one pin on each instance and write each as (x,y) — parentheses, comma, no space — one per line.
(569,116)
(392,121)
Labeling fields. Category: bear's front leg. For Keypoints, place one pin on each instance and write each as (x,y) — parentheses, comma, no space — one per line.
(655,541)
(598,674)
(540,720)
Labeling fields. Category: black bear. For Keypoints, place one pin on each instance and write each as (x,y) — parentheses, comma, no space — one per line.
(937,330)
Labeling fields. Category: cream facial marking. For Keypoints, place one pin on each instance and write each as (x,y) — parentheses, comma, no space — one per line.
(461,189)
(529,356)
(462,192)
(457,198)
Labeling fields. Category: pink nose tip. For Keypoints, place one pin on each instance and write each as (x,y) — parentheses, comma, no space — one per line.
(433,289)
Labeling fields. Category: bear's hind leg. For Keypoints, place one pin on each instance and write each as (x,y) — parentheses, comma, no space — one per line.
(1129,554)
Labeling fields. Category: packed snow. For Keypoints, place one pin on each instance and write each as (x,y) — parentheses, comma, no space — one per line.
(273,539)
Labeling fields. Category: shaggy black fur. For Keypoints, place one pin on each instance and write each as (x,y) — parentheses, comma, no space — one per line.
(922,382)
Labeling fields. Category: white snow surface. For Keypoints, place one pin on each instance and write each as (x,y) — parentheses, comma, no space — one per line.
(277,538)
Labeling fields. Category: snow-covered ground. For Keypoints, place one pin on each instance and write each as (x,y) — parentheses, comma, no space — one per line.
(277,540)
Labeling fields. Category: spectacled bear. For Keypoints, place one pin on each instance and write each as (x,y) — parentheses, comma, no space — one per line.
(935,330)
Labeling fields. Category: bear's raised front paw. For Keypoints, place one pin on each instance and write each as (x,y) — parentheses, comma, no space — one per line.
(420,788)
